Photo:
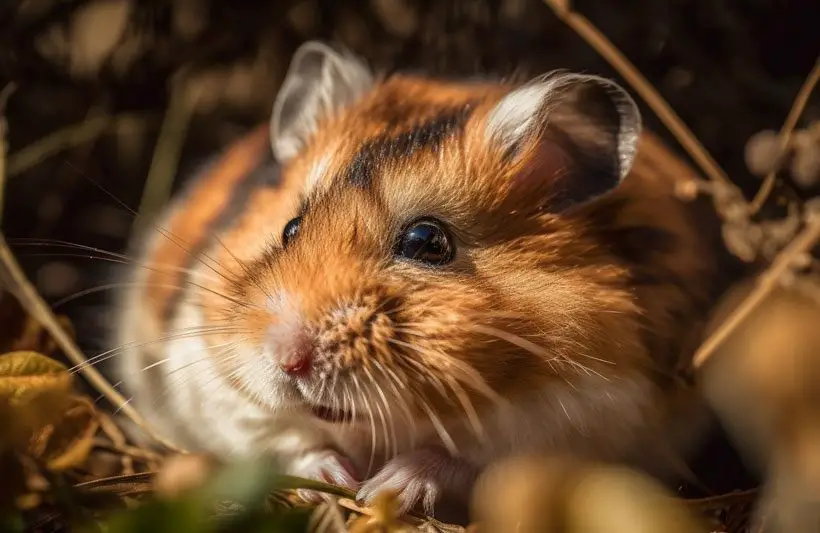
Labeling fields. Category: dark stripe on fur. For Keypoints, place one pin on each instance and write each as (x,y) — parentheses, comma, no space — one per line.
(427,135)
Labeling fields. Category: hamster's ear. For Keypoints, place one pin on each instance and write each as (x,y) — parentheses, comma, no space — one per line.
(319,81)
(578,132)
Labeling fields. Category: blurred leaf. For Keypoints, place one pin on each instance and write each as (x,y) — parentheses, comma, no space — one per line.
(234,499)
(538,495)
(67,443)
(179,516)
(34,391)
(24,372)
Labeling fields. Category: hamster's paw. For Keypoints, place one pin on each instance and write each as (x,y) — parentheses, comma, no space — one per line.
(327,466)
(420,477)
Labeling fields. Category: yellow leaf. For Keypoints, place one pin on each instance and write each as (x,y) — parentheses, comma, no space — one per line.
(34,392)
(67,443)
(19,369)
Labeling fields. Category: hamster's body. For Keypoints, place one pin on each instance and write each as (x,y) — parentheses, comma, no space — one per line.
(279,311)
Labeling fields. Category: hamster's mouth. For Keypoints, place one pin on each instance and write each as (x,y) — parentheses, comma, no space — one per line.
(331,415)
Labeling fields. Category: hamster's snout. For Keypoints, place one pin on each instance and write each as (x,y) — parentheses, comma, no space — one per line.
(297,358)
(291,348)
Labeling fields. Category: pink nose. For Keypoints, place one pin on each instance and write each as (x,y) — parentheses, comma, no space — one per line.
(298,359)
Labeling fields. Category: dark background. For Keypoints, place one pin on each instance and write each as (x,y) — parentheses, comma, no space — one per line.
(730,68)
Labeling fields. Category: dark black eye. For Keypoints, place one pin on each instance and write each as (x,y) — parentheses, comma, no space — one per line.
(427,242)
(291,229)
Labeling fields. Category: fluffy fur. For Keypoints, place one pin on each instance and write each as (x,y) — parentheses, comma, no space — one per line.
(557,328)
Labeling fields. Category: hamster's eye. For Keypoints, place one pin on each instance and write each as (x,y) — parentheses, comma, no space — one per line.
(426,241)
(291,229)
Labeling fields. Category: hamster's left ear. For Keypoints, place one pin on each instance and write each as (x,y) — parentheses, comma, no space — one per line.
(319,81)
(577,134)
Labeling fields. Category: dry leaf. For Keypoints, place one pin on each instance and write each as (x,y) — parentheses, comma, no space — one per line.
(67,443)
(34,391)
(24,373)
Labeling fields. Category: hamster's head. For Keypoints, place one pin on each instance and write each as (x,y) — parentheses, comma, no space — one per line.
(434,256)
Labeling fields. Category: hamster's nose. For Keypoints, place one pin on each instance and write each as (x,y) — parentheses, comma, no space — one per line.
(298,357)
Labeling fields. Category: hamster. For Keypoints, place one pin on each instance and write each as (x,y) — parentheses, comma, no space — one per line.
(399,280)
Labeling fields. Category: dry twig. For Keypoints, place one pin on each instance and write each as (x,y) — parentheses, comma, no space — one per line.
(766,282)
(598,41)
(784,137)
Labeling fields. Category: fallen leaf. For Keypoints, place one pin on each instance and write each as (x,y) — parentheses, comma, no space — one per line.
(67,443)
(26,372)
(34,392)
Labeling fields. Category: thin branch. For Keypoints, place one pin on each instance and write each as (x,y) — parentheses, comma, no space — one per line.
(785,135)
(587,31)
(766,283)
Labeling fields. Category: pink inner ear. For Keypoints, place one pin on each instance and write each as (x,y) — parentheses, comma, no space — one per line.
(541,169)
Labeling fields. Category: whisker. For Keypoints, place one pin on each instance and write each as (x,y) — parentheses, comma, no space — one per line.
(469,408)
(176,335)
(400,398)
(443,434)
(463,398)
(112,286)
(466,374)
(176,240)
(105,254)
(369,410)
(538,350)
(243,266)
(393,443)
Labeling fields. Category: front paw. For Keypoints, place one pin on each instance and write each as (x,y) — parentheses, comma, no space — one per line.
(421,477)
(327,466)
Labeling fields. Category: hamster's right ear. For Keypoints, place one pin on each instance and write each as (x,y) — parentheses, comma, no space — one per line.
(582,132)
(319,81)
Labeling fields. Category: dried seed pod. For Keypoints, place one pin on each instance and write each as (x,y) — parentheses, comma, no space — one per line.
(762,152)
(805,166)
